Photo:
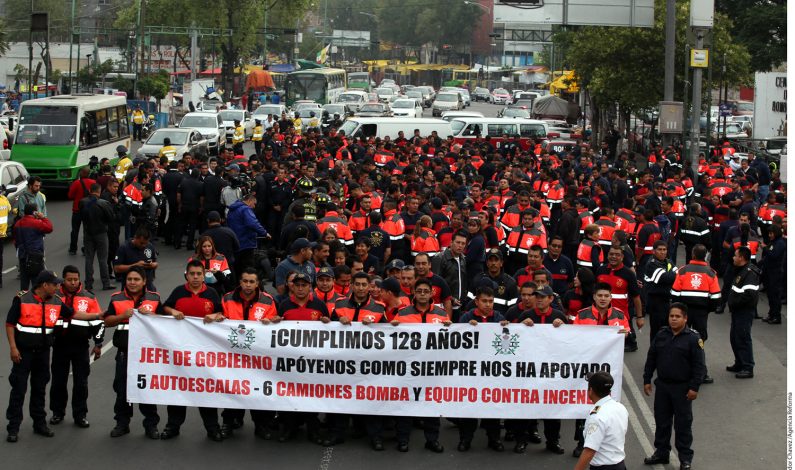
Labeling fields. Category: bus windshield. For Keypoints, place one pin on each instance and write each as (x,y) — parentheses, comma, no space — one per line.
(306,87)
(358,78)
(47,125)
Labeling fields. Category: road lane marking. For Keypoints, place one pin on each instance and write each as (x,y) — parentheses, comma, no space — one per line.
(6,271)
(648,417)
(105,349)
(325,461)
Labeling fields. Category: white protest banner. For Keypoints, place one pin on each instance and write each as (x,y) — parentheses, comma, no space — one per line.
(483,371)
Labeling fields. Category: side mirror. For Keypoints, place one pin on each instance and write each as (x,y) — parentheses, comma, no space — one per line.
(10,189)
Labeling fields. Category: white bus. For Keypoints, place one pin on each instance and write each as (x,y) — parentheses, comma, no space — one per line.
(389,126)
(56,136)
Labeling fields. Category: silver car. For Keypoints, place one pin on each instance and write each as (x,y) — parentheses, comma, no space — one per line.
(14,180)
(183,139)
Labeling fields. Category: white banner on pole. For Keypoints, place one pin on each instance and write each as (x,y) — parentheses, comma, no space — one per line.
(483,371)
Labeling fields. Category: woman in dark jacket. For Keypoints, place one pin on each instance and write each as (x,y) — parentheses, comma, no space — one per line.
(476,250)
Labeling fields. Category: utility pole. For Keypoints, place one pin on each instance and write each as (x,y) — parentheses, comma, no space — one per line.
(139,47)
(194,38)
(71,41)
(670,50)
(695,117)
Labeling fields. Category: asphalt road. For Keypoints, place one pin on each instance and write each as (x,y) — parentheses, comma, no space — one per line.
(738,424)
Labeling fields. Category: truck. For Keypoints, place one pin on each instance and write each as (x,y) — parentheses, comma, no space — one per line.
(770,105)
(195,91)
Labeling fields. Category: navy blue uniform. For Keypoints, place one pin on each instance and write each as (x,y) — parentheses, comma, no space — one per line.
(679,362)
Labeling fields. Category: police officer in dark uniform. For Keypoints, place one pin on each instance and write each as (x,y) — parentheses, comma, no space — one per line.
(677,354)
(694,230)
(506,293)
(30,327)
(658,277)
(743,297)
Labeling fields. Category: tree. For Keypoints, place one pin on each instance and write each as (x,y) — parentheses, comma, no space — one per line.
(155,84)
(17,13)
(245,18)
(761,26)
(625,66)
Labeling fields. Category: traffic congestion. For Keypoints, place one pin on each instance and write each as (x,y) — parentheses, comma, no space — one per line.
(388,203)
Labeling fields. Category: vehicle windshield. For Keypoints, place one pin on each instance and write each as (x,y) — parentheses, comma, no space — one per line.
(232,115)
(348,127)
(335,108)
(199,121)
(306,87)
(403,104)
(513,112)
(414,94)
(456,126)
(176,137)
(500,91)
(370,108)
(776,144)
(446,97)
(385,91)
(349,98)
(47,125)
(481,90)
(745,107)
(358,78)
(269,109)
(210,104)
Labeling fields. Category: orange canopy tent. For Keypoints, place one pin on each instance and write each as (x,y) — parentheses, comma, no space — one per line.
(259,80)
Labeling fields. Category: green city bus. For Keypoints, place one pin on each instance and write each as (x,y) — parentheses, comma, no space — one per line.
(56,136)
(359,81)
(321,85)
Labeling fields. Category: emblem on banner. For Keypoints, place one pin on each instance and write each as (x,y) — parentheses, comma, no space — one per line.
(241,337)
(505,343)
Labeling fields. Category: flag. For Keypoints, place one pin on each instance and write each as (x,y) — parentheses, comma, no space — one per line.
(322,55)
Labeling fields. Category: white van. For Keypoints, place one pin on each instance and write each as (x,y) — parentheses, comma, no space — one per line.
(467,129)
(383,127)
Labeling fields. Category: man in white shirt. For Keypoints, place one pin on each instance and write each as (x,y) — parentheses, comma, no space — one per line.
(605,428)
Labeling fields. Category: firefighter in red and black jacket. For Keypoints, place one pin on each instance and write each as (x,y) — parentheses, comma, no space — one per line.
(358,307)
(248,302)
(71,350)
(194,299)
(648,233)
(658,277)
(132,298)
(482,313)
(624,289)
(302,306)
(600,313)
(544,314)
(589,253)
(422,310)
(696,285)
(30,328)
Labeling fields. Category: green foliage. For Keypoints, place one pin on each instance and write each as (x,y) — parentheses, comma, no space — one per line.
(761,26)
(17,13)
(123,84)
(415,24)
(626,65)
(89,76)
(155,84)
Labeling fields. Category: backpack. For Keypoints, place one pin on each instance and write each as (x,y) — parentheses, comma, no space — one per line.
(664,225)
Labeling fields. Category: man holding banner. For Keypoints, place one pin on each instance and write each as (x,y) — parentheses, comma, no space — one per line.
(301,306)
(132,298)
(248,302)
(193,299)
(421,311)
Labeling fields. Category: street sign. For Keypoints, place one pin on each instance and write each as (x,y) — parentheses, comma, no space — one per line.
(671,120)
(725,110)
(699,58)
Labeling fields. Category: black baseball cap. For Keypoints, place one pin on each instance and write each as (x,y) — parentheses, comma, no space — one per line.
(213,216)
(545,291)
(391,284)
(302,277)
(299,244)
(395,264)
(325,272)
(494,252)
(47,276)
(601,382)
